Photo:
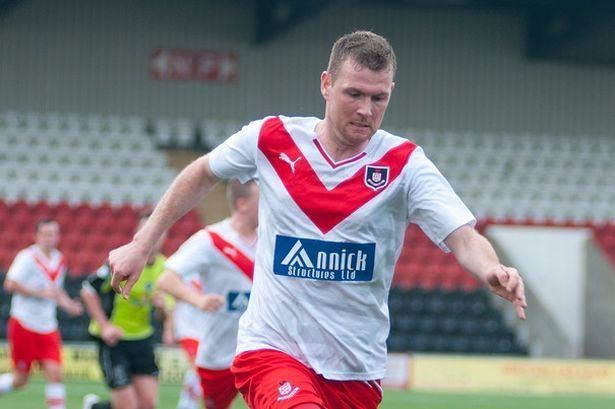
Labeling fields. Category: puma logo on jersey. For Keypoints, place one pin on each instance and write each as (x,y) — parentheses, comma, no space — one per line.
(284,157)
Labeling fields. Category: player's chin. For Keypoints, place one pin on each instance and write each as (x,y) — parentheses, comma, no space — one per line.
(359,135)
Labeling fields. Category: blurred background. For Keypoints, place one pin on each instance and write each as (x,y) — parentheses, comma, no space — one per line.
(101,103)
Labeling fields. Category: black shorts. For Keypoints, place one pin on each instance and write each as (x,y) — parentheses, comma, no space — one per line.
(125,360)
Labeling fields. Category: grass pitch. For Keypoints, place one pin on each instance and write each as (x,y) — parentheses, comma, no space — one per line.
(32,397)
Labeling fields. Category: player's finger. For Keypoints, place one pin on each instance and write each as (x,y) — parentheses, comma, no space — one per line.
(513,279)
(130,282)
(520,293)
(520,311)
(116,279)
(503,276)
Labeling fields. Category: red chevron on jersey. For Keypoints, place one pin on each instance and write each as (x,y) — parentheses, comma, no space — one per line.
(325,208)
(233,254)
(52,273)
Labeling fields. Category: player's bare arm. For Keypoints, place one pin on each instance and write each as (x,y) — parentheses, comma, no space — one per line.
(109,333)
(11,286)
(475,254)
(172,284)
(168,336)
(187,189)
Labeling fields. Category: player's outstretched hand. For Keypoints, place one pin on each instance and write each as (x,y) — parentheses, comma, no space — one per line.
(211,302)
(126,263)
(508,284)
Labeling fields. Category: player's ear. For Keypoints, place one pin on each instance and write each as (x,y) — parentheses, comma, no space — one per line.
(325,84)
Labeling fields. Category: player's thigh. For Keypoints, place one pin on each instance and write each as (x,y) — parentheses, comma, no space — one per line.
(218,388)
(351,394)
(142,358)
(23,345)
(146,388)
(270,379)
(115,365)
(190,347)
(124,398)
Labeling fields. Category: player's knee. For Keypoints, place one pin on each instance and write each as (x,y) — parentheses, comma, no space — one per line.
(147,402)
(55,376)
(20,380)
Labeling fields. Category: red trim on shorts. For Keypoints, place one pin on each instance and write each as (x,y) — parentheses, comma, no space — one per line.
(28,346)
(218,387)
(270,379)
(190,346)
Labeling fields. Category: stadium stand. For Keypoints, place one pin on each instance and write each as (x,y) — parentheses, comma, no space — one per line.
(93,174)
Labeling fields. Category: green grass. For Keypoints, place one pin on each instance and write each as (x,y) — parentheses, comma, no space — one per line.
(31,397)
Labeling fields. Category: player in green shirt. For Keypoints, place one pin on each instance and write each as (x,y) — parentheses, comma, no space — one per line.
(123,330)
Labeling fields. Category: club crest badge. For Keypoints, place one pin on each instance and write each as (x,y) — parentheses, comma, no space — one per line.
(376,177)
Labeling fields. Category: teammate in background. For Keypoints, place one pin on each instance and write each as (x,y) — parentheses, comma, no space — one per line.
(36,280)
(336,197)
(124,332)
(187,323)
(223,255)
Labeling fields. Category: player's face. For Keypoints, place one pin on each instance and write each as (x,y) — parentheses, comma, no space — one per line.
(48,235)
(250,206)
(356,100)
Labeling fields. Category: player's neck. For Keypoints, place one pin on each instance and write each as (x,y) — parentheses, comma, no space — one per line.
(245,229)
(332,145)
(47,252)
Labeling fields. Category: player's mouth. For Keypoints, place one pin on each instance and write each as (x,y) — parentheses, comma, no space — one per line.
(360,125)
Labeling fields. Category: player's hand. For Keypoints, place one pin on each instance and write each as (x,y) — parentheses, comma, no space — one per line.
(159,301)
(211,302)
(74,308)
(51,293)
(111,334)
(508,284)
(126,263)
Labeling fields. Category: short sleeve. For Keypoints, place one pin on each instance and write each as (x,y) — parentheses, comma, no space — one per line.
(100,280)
(432,202)
(194,256)
(20,268)
(236,157)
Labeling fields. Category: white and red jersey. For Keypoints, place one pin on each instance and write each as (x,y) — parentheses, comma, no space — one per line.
(329,236)
(34,270)
(225,262)
(186,317)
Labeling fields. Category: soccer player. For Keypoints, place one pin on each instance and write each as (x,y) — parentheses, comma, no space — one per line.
(223,255)
(36,280)
(336,196)
(124,332)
